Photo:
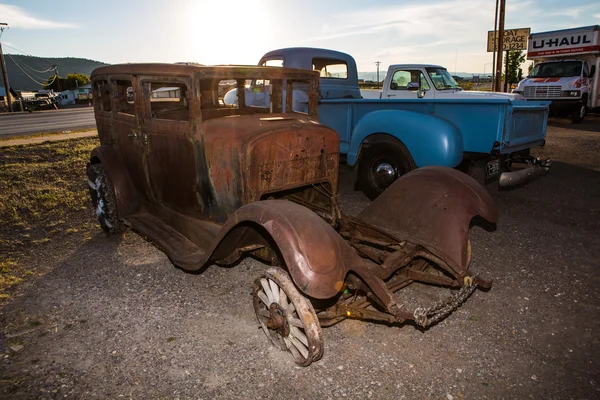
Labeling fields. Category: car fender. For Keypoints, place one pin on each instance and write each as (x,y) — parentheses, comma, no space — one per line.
(430,140)
(315,255)
(127,197)
(433,207)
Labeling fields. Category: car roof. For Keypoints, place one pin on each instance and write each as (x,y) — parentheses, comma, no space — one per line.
(213,71)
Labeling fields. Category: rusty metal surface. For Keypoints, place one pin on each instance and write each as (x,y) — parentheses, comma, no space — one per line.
(216,182)
(433,206)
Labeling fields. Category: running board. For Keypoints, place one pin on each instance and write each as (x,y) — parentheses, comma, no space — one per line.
(178,248)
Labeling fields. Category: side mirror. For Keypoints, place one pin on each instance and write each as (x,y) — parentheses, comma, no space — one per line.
(393,86)
(421,93)
(592,71)
(412,86)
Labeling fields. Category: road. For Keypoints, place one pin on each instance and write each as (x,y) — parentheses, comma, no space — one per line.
(19,124)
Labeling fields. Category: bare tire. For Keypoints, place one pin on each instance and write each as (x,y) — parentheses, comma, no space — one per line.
(103,199)
(380,165)
(579,113)
(287,317)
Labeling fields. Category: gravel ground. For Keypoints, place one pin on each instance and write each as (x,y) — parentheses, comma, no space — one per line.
(113,318)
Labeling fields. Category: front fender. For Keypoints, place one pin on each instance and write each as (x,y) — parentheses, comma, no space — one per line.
(314,253)
(430,140)
(433,207)
(127,197)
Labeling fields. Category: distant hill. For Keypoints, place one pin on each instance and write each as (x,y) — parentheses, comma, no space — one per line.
(20,66)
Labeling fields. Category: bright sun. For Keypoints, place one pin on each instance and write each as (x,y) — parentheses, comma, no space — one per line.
(224,32)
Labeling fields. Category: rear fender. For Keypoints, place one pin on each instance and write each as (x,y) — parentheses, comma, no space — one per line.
(127,197)
(433,207)
(430,140)
(314,253)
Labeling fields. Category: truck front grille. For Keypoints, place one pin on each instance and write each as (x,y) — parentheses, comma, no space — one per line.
(541,92)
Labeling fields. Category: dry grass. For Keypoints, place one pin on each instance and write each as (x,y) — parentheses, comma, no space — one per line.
(43,195)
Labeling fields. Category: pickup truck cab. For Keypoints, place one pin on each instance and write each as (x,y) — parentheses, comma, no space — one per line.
(386,138)
(411,81)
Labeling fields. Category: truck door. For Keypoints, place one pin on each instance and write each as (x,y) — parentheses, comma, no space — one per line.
(399,87)
(170,162)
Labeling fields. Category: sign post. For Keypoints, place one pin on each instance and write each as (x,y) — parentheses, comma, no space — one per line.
(512,39)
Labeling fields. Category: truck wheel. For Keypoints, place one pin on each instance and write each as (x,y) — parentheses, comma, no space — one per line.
(103,200)
(579,113)
(287,317)
(380,165)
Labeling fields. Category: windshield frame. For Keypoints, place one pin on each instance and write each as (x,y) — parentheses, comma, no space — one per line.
(535,71)
(447,82)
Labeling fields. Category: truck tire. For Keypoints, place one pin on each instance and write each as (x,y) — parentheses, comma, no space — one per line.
(103,200)
(380,165)
(579,113)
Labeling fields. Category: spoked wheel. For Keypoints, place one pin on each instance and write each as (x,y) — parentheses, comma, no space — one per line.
(287,317)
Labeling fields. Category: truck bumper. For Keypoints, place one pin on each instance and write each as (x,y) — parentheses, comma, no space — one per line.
(536,168)
(565,105)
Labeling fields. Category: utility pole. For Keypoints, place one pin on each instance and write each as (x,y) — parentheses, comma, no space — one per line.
(495,47)
(500,47)
(4,73)
(377,63)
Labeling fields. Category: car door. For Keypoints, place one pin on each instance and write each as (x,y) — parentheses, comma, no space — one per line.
(128,135)
(399,87)
(170,162)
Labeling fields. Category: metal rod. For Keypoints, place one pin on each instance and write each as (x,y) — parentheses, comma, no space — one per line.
(500,47)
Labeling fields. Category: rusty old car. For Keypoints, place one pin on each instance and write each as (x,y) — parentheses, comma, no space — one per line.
(209,183)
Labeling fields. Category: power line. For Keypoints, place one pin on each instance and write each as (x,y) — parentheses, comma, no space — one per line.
(20,64)
(46,60)
(25,72)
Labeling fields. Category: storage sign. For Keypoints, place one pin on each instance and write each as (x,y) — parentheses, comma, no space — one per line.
(514,39)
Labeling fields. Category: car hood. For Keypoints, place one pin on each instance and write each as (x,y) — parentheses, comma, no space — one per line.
(472,94)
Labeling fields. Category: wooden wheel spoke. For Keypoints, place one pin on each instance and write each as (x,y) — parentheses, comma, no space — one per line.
(297,333)
(290,309)
(263,298)
(299,346)
(283,300)
(295,322)
(267,290)
(264,313)
(274,291)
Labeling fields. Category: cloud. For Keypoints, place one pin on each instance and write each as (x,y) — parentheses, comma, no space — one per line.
(356,30)
(16,17)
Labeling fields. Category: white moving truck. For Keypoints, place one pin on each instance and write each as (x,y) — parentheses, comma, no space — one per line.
(566,64)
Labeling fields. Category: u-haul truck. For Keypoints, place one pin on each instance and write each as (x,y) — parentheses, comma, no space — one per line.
(566,70)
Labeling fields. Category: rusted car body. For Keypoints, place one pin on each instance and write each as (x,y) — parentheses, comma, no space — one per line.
(210,183)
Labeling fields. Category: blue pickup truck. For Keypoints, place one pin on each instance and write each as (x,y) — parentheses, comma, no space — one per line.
(385,138)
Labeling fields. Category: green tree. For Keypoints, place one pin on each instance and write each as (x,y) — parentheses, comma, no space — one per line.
(514,60)
(72,81)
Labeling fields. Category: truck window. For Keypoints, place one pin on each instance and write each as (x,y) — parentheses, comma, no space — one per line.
(441,79)
(102,96)
(335,69)
(274,62)
(168,101)
(402,78)
(556,69)
(124,97)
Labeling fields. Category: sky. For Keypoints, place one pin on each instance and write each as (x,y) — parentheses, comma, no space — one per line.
(449,33)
